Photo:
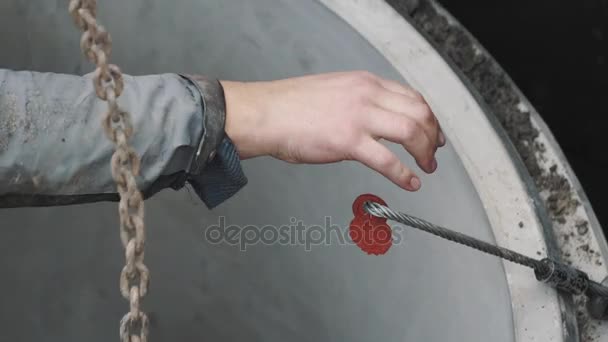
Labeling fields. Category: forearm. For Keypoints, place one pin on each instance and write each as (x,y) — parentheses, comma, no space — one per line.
(53,150)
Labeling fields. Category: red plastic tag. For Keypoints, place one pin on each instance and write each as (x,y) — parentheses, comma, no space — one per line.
(372,234)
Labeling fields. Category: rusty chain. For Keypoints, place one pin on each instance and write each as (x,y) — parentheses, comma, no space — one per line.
(96,45)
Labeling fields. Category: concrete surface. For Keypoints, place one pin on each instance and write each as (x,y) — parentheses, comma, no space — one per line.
(60,265)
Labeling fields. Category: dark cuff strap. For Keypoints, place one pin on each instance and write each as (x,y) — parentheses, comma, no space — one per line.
(215,173)
(222,178)
(214,109)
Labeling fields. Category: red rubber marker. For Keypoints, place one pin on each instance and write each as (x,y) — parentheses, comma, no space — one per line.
(372,234)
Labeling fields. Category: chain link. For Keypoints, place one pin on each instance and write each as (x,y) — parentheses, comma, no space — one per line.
(96,44)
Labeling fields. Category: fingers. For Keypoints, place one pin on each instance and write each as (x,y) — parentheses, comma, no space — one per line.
(399,88)
(442,140)
(416,110)
(400,114)
(379,158)
(396,103)
(403,130)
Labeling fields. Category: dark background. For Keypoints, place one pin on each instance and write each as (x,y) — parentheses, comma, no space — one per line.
(556,52)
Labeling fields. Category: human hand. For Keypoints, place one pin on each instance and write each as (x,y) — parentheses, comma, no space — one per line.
(333,117)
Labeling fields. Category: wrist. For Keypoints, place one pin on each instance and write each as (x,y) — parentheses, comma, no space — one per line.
(245,119)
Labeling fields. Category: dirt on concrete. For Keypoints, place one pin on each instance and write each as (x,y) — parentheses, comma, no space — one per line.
(497,91)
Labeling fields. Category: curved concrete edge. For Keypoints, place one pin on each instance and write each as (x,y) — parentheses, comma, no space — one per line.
(555,156)
(536,307)
(587,252)
(596,238)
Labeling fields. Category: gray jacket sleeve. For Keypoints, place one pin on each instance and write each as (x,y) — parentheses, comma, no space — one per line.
(53,150)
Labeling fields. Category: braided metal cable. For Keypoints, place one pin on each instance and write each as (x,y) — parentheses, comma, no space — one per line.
(379,210)
(542,269)
(596,289)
